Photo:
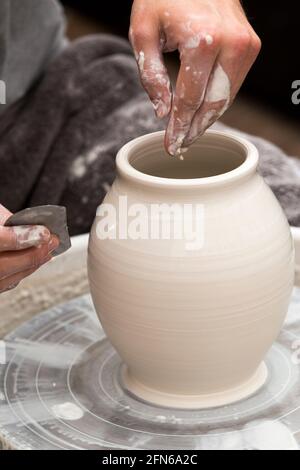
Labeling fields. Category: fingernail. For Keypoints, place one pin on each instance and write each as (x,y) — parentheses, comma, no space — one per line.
(28,236)
(53,245)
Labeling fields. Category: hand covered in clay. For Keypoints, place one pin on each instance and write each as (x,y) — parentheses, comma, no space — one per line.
(22,251)
(217,48)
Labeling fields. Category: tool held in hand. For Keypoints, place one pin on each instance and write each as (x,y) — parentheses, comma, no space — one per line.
(52,217)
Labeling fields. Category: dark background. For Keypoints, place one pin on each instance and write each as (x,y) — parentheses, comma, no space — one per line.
(268,85)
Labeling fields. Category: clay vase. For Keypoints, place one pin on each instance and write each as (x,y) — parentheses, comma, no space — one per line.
(192,322)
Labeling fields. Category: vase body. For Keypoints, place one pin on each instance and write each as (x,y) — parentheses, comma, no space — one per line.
(191,321)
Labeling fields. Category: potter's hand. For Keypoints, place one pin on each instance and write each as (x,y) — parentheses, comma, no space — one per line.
(22,251)
(217,48)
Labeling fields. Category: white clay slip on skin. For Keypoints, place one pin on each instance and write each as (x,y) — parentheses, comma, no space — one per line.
(52,217)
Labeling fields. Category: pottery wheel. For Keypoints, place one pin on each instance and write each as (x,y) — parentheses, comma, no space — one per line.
(61,389)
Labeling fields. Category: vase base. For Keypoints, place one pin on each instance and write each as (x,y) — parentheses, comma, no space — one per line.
(214,400)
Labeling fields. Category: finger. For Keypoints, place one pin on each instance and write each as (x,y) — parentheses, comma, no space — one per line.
(22,237)
(12,263)
(197,61)
(54,243)
(216,102)
(231,69)
(154,75)
(13,281)
(4,214)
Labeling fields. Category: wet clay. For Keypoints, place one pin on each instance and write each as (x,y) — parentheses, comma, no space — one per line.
(193,326)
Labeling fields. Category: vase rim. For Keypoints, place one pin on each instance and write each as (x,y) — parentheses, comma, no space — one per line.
(247,167)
